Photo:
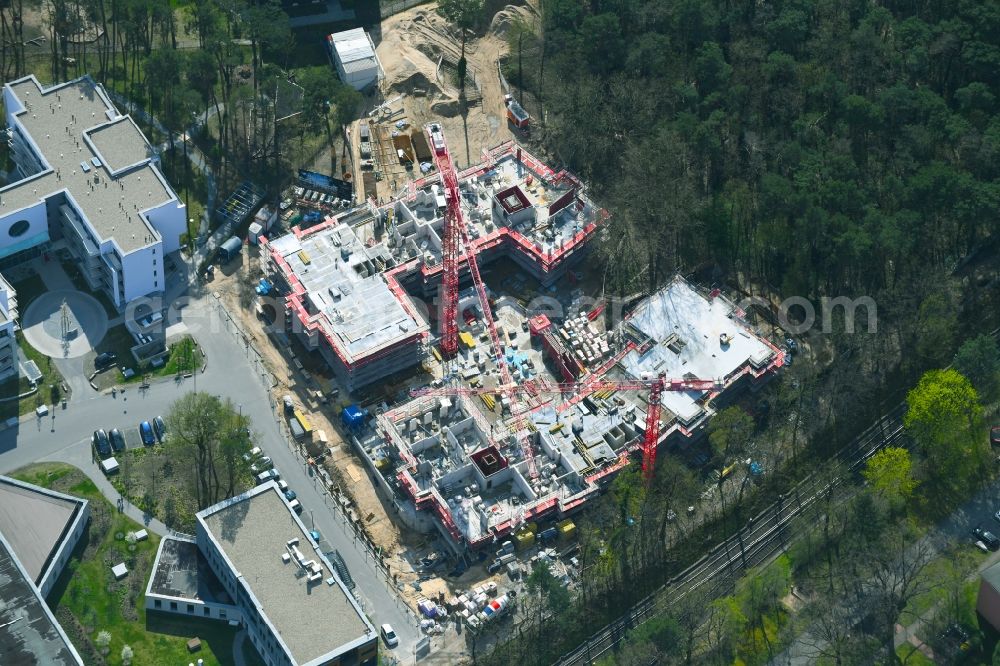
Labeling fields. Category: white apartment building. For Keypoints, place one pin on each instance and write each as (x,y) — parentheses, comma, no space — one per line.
(90,178)
(8,326)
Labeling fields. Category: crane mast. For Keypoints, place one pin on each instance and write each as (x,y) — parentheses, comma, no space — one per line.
(454,230)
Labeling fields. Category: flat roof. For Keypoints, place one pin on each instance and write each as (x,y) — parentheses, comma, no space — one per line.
(686,328)
(120,143)
(352,45)
(182,571)
(72,124)
(312,619)
(344,285)
(29,632)
(34,521)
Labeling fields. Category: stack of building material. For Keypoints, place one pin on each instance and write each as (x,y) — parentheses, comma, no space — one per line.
(588,345)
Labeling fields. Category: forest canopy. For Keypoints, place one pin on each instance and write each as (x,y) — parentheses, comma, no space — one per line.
(821,147)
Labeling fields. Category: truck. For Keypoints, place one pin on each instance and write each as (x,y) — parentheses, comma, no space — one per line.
(497,607)
(437,138)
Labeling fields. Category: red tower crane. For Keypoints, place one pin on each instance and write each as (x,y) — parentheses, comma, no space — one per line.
(450,251)
(454,230)
(656,387)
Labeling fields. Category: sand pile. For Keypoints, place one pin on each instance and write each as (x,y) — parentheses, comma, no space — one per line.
(506,17)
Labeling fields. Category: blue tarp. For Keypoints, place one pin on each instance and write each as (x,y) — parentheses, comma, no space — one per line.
(264,288)
(319,181)
(353,417)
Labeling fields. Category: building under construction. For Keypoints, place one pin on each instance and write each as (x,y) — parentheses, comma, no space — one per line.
(531,416)
(350,282)
(461,468)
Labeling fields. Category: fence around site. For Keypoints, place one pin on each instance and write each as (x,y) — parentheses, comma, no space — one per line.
(389,7)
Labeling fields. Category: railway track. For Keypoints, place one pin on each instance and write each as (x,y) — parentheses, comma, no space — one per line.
(766,537)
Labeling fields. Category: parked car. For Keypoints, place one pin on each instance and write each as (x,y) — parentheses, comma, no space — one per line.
(261,464)
(117,439)
(159,428)
(295,505)
(389,636)
(991,541)
(251,454)
(151,319)
(315,536)
(105,359)
(146,433)
(101,443)
(282,485)
(290,495)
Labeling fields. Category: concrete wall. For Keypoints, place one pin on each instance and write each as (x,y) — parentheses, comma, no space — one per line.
(65,550)
(142,275)
(192,608)
(170,221)
(988,604)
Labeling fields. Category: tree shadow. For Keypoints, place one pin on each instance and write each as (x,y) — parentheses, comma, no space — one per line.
(463,105)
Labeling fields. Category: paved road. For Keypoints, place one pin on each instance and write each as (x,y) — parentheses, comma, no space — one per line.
(231,373)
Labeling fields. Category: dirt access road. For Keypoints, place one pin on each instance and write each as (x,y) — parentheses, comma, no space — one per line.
(419,52)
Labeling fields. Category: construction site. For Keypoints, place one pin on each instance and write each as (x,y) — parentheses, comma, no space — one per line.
(519,409)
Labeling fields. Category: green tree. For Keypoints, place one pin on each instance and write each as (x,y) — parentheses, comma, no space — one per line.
(729,432)
(464,14)
(944,417)
(979,360)
(212,436)
(890,474)
(937,324)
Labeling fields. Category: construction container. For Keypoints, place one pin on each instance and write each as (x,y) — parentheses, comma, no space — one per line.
(466,339)
(567,529)
(524,539)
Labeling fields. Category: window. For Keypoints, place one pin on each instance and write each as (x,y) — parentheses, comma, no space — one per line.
(173,605)
(154,261)
(222,614)
(154,273)
(4,333)
(155,283)
(19,228)
(157,603)
(190,608)
(208,611)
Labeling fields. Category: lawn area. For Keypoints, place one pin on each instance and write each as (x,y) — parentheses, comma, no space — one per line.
(185,356)
(912,657)
(87,599)
(18,385)
(158,479)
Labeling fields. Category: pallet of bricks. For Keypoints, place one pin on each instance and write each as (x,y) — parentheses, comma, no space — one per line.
(587,344)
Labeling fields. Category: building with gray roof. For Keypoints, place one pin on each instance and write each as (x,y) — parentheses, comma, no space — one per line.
(29,632)
(88,177)
(43,527)
(295,609)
